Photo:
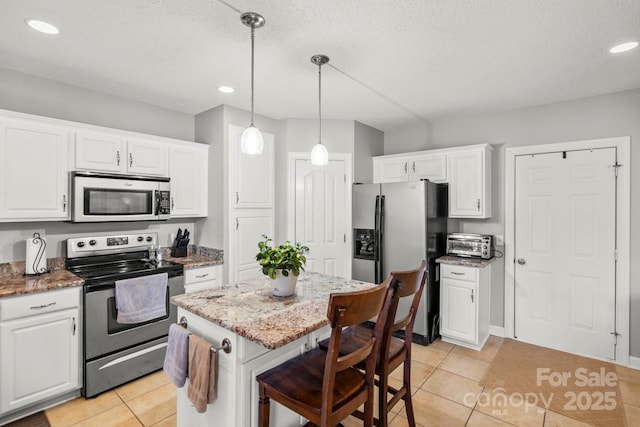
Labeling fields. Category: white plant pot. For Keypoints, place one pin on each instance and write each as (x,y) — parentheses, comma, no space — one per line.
(284,286)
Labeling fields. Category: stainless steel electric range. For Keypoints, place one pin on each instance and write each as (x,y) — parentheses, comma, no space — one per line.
(117,353)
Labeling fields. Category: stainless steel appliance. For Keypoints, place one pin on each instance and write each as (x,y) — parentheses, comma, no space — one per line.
(110,197)
(471,245)
(116,353)
(396,226)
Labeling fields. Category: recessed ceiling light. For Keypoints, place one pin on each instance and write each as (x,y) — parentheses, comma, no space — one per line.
(43,27)
(226,89)
(623,47)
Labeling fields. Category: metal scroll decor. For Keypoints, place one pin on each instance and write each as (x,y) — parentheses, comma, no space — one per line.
(39,267)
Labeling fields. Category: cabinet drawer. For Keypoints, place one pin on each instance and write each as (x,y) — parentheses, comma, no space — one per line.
(39,303)
(201,274)
(459,272)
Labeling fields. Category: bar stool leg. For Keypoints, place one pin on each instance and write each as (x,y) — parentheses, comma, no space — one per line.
(368,409)
(408,403)
(264,406)
(383,395)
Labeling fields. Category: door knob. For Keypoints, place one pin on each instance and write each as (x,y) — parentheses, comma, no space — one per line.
(521,261)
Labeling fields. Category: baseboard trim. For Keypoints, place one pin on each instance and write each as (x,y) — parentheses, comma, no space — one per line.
(497,331)
(634,362)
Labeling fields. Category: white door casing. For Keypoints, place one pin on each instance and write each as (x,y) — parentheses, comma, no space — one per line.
(565,242)
(576,319)
(320,211)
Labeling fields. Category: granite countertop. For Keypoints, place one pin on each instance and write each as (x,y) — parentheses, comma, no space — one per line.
(197,256)
(249,310)
(464,261)
(14,282)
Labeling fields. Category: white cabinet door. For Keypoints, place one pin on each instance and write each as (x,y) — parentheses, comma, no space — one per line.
(147,157)
(100,152)
(33,171)
(39,358)
(188,172)
(458,309)
(429,166)
(252,176)
(470,183)
(247,229)
(395,169)
(279,415)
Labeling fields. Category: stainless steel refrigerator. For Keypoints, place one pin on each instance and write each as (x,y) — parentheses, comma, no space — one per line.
(395,227)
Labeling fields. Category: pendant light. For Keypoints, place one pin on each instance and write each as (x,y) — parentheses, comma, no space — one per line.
(251,141)
(319,153)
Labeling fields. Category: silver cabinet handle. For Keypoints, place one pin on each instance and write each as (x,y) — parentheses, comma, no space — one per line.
(202,275)
(478,205)
(405,167)
(457,274)
(38,307)
(64,203)
(130,159)
(117,157)
(414,167)
(74,326)
(522,261)
(471,295)
(237,198)
(237,223)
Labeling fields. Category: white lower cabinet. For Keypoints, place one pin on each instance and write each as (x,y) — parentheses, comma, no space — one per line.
(39,347)
(200,278)
(465,296)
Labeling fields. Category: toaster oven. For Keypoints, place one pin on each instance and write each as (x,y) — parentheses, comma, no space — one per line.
(470,245)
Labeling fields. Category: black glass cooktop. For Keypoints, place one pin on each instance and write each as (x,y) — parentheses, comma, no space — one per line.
(110,268)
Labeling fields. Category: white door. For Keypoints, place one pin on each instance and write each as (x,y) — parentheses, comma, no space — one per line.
(321,211)
(147,157)
(248,228)
(564,249)
(39,358)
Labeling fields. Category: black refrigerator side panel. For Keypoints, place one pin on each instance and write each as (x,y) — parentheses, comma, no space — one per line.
(437,216)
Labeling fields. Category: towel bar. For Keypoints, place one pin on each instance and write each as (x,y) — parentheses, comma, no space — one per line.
(226,343)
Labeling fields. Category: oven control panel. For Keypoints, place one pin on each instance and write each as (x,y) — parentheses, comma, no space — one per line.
(97,245)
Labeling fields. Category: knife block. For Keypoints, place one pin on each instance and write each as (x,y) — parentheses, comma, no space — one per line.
(179,252)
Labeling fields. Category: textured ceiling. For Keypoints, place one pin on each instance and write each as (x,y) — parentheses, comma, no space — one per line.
(434,58)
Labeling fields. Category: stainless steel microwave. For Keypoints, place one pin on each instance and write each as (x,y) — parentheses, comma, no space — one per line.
(98,197)
(471,245)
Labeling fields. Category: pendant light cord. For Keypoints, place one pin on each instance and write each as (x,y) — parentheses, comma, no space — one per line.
(253,37)
(320,103)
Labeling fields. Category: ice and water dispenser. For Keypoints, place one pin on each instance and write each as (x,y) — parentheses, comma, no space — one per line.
(364,241)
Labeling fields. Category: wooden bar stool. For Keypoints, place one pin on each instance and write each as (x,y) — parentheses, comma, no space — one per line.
(324,387)
(393,351)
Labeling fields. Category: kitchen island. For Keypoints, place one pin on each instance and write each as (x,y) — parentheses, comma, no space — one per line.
(263,331)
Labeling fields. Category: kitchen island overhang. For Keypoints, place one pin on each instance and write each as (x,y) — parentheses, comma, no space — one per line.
(264,331)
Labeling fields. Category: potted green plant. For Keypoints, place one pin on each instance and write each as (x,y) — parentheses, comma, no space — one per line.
(282,264)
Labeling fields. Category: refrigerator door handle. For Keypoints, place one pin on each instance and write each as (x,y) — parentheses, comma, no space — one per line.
(376,240)
(381,241)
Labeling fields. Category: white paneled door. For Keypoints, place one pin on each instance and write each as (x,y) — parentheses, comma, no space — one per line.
(321,210)
(565,219)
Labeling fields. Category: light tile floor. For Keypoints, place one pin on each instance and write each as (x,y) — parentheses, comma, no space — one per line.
(445,393)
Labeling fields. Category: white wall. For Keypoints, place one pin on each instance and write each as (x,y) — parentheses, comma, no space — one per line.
(602,116)
(414,136)
(34,95)
(368,142)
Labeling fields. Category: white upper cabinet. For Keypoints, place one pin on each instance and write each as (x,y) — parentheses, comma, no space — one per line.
(470,182)
(100,151)
(429,166)
(393,169)
(33,171)
(107,152)
(252,176)
(147,157)
(467,170)
(188,172)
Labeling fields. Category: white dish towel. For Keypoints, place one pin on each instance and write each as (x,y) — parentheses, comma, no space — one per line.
(142,298)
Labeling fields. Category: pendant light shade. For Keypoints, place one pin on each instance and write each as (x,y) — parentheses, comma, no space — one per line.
(251,141)
(319,153)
